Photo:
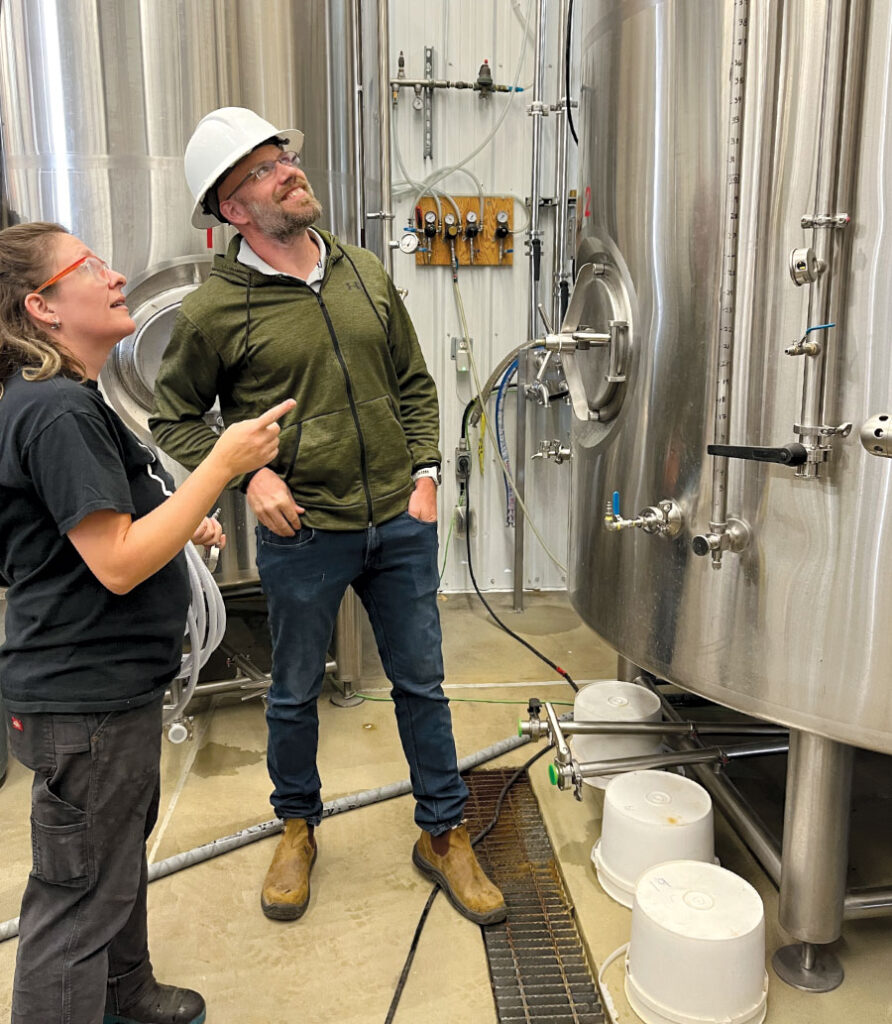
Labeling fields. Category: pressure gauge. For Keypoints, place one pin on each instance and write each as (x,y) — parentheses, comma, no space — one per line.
(408,242)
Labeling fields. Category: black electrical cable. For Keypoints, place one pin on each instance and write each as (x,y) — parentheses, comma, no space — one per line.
(413,948)
(567,73)
(560,671)
(475,401)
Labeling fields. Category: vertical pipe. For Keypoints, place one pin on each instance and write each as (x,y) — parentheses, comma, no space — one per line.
(816,838)
(834,184)
(559,265)
(535,250)
(386,213)
(358,125)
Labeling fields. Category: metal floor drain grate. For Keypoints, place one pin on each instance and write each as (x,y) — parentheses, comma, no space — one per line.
(536,961)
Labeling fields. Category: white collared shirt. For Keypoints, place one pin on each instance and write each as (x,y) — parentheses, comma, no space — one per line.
(249,258)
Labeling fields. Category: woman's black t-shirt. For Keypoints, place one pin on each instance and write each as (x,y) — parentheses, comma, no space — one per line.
(71,644)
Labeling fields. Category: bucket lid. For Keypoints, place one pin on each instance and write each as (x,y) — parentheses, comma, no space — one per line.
(698,900)
(614,699)
(659,798)
(620,889)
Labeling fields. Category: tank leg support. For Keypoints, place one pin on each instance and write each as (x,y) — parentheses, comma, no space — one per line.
(347,651)
(814,860)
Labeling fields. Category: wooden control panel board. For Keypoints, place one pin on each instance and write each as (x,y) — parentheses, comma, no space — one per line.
(435,252)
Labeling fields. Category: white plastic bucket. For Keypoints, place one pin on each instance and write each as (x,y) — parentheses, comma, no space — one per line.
(611,700)
(697,949)
(650,817)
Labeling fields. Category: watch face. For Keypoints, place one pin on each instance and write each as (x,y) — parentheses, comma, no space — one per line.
(408,242)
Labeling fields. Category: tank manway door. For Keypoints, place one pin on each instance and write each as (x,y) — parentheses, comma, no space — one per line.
(594,343)
(154,298)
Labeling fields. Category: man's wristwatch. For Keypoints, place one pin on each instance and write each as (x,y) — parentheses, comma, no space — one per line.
(428,471)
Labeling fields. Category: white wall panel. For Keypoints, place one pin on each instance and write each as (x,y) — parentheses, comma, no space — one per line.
(463,33)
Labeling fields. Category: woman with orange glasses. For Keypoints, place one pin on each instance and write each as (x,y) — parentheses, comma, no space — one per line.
(91,551)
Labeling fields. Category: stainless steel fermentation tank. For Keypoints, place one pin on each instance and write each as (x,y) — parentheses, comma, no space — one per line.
(726,148)
(98,99)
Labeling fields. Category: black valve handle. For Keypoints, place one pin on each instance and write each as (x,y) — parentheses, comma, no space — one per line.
(792,454)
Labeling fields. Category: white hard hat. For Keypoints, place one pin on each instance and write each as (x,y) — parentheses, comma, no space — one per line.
(219,141)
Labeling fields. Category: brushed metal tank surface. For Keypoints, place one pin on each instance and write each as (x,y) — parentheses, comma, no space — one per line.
(790,629)
(98,99)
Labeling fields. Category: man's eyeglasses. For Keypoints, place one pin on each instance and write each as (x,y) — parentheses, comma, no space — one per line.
(97,267)
(288,159)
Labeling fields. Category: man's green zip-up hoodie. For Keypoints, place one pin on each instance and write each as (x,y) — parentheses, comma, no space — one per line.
(366,413)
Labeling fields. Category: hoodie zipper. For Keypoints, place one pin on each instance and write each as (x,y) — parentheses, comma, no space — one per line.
(363,458)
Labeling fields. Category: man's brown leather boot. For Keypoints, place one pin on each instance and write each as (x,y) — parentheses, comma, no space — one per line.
(286,888)
(460,876)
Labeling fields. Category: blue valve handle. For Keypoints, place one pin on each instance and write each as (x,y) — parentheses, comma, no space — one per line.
(616,504)
(819,327)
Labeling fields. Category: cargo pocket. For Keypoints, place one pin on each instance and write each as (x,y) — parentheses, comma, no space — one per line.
(59,841)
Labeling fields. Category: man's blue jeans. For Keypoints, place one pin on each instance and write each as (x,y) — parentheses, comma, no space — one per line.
(393,569)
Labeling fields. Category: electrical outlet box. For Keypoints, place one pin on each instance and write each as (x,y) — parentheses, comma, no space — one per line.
(460,353)
(462,464)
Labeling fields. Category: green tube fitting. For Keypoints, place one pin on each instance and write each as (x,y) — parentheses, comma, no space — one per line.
(552,774)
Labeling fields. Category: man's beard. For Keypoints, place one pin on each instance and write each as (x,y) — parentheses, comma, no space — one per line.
(283,225)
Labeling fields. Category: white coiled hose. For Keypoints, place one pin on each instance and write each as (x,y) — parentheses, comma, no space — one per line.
(205,626)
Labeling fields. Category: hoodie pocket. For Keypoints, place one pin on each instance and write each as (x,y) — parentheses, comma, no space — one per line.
(326,466)
(387,454)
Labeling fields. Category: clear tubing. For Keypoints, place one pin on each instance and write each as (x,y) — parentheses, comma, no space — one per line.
(432,179)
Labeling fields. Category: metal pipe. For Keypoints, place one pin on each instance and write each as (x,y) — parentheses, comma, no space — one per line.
(358,125)
(736,809)
(563,751)
(673,728)
(386,213)
(834,189)
(816,838)
(862,902)
(252,679)
(444,83)
(535,249)
(708,755)
(559,263)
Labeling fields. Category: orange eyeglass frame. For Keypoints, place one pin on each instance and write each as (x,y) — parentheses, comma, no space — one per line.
(62,273)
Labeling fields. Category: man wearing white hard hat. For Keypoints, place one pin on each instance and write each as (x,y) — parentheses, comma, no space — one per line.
(292,312)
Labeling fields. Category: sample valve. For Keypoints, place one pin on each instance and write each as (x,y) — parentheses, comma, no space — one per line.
(552,450)
(664,519)
(472,230)
(808,346)
(502,232)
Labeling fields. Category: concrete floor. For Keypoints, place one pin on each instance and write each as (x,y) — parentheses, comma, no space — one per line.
(342,960)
